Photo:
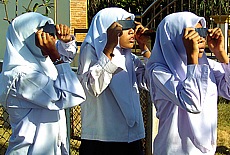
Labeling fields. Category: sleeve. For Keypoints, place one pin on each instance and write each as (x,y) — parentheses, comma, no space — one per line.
(68,50)
(222,75)
(38,90)
(141,74)
(188,94)
(95,74)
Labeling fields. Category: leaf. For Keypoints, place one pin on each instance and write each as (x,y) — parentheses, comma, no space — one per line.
(35,7)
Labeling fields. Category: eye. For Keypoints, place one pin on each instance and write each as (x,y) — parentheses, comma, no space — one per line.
(131,31)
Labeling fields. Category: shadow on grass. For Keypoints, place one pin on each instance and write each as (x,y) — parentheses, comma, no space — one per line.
(2,149)
(223,150)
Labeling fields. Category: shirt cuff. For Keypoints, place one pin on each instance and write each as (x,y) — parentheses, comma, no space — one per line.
(63,67)
(106,64)
(226,68)
(67,50)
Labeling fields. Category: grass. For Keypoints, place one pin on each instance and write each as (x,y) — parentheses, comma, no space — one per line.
(223,140)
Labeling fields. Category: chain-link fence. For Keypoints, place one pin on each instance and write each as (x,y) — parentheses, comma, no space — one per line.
(5,130)
(75,126)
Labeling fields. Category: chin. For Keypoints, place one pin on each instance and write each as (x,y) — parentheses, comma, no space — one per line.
(200,55)
(131,45)
(128,47)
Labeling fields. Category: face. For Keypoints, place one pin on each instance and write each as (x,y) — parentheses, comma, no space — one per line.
(127,39)
(202,42)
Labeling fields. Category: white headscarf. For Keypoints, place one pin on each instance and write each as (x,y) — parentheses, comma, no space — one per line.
(123,84)
(97,36)
(168,48)
(21,54)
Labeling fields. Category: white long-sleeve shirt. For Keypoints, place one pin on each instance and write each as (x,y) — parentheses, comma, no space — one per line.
(187,111)
(36,104)
(102,117)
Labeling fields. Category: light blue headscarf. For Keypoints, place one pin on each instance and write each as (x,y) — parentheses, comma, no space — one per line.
(21,54)
(97,35)
(168,48)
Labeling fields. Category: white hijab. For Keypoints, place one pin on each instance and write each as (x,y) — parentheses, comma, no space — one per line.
(169,50)
(123,84)
(97,35)
(22,56)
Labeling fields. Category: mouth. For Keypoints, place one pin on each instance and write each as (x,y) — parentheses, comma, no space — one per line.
(132,40)
(201,50)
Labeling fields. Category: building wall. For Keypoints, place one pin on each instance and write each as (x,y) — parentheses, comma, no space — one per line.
(78,17)
(78,20)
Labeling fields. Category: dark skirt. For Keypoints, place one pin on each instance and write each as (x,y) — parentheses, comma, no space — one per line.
(93,147)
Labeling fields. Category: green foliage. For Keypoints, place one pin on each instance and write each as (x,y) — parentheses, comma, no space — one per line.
(47,4)
(210,7)
(4,1)
(134,6)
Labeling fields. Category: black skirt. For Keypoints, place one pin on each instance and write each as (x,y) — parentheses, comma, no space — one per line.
(93,147)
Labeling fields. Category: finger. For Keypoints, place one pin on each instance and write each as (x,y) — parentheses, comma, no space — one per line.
(37,37)
(188,30)
(44,36)
(217,33)
(118,30)
(115,24)
(40,37)
(139,28)
(213,32)
(58,29)
(48,37)
(143,30)
(62,28)
(192,34)
(137,23)
(65,30)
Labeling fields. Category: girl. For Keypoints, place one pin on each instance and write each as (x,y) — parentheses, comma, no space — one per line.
(185,85)
(112,121)
(37,84)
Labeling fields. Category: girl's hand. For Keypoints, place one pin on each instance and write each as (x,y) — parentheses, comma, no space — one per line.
(63,33)
(47,44)
(113,32)
(141,39)
(215,41)
(191,41)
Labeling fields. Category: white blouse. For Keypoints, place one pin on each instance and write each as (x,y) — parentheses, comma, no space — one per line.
(187,111)
(36,110)
(103,118)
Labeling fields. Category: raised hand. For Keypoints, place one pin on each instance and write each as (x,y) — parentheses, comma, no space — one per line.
(191,41)
(47,45)
(113,32)
(139,34)
(215,41)
(142,39)
(63,33)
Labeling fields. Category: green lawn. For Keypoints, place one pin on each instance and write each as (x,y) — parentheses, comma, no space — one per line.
(223,140)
